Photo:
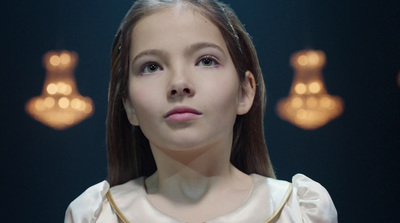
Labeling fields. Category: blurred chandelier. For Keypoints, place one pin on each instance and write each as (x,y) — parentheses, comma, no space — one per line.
(60,106)
(309,106)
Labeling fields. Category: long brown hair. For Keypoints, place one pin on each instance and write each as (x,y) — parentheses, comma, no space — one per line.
(129,153)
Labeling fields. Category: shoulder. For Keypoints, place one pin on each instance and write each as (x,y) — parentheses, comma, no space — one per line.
(309,189)
(274,188)
(87,206)
(302,200)
(309,201)
(93,205)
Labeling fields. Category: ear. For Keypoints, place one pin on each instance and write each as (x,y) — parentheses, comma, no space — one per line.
(130,112)
(247,93)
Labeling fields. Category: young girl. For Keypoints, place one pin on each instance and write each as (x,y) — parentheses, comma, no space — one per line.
(185,126)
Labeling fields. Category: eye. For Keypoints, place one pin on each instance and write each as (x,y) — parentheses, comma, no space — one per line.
(150,67)
(207,61)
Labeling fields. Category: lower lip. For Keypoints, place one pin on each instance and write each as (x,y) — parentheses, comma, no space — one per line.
(182,117)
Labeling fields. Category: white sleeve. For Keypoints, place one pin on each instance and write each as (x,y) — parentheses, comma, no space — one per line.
(87,207)
(314,202)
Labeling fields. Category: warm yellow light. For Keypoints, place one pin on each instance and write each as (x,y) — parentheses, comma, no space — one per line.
(60,105)
(60,87)
(80,105)
(49,102)
(297,102)
(307,59)
(312,102)
(326,102)
(67,90)
(300,88)
(302,60)
(314,87)
(301,114)
(63,88)
(313,58)
(88,108)
(308,105)
(63,102)
(76,103)
(39,105)
(65,58)
(51,88)
(55,60)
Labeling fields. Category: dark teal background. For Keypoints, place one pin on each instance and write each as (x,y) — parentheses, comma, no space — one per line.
(356,157)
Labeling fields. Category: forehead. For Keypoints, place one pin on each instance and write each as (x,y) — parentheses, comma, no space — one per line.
(174,24)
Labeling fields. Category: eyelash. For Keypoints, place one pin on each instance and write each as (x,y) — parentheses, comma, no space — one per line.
(147,66)
(209,57)
(144,68)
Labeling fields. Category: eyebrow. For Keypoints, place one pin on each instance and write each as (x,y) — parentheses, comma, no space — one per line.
(152,52)
(201,45)
(189,50)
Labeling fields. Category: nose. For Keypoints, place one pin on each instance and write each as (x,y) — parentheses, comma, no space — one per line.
(180,86)
(181,91)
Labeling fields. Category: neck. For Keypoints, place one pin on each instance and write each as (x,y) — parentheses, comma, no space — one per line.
(189,176)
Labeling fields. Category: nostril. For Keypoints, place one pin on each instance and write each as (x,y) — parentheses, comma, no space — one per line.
(181,92)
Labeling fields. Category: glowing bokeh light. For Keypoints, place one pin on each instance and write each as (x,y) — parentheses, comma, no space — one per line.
(60,106)
(308,105)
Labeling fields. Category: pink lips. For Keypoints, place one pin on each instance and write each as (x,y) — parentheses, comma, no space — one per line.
(181,114)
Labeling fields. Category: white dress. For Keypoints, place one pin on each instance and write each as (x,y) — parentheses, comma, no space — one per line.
(302,201)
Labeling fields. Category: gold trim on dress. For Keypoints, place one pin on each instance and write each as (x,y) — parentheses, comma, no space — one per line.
(274,215)
(280,207)
(121,216)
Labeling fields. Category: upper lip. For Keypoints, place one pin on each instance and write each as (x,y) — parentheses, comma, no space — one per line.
(181,109)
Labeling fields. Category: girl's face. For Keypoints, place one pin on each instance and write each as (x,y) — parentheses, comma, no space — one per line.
(184,91)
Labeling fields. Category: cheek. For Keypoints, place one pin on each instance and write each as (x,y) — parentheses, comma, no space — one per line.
(142,99)
(225,97)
